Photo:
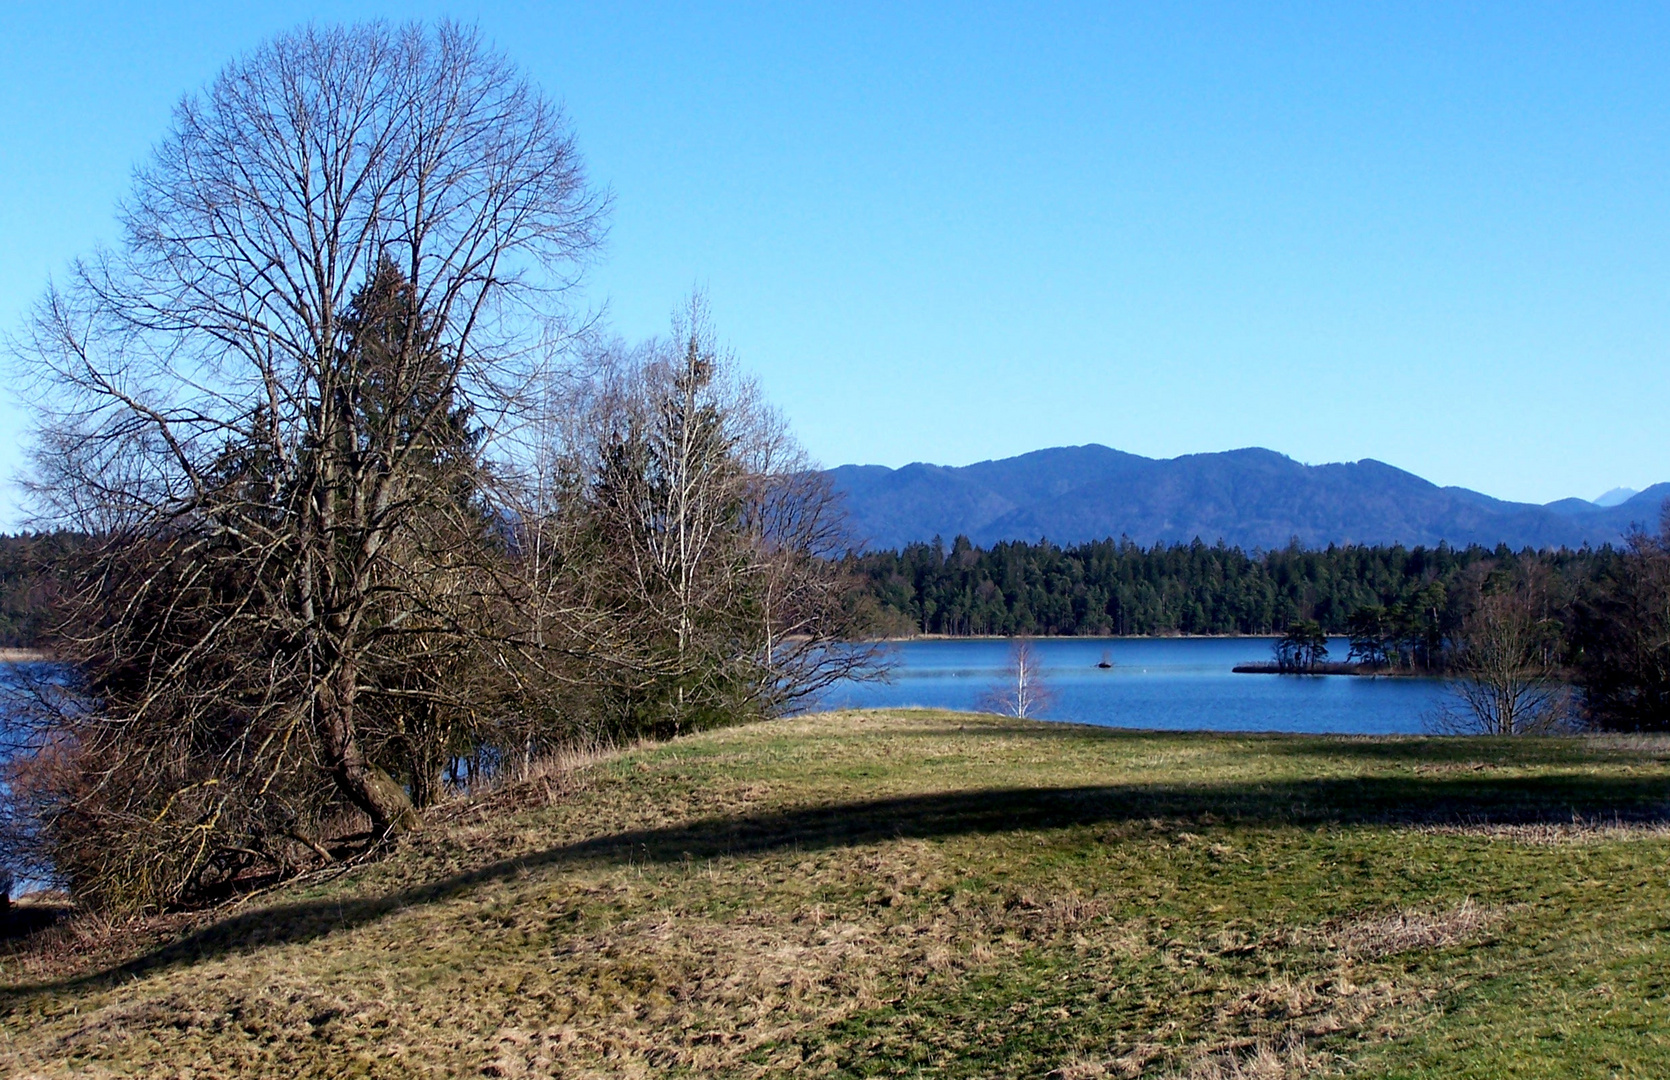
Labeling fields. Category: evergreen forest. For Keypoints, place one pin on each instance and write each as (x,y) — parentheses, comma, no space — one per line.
(1118,588)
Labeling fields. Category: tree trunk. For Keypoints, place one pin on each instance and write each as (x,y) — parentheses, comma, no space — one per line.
(360,780)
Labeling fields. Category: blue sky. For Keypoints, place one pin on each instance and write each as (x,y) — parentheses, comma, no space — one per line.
(1434,235)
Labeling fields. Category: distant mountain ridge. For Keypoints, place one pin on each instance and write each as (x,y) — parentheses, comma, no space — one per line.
(1251,498)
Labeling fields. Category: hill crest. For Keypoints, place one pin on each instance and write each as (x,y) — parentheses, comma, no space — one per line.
(1251,497)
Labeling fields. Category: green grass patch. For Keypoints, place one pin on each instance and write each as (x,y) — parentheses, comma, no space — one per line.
(915,893)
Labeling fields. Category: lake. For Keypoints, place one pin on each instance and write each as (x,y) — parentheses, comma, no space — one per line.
(1175,683)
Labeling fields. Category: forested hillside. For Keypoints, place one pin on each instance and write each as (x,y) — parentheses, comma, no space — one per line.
(28,588)
(1118,587)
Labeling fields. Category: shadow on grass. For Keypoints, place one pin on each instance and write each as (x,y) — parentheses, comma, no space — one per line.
(1467,749)
(1388,801)
(23,920)
(1408,749)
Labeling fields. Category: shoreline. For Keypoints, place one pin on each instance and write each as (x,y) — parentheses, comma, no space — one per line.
(1362,671)
(23,656)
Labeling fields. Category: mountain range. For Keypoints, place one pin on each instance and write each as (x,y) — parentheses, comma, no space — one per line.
(1252,498)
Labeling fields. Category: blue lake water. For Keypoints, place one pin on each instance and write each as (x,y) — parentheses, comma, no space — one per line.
(12,676)
(1175,683)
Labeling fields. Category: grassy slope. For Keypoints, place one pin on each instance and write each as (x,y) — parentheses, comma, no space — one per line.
(932,894)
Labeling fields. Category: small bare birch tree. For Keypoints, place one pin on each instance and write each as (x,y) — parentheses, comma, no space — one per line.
(1022,691)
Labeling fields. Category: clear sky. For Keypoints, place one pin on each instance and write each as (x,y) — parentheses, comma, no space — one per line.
(1435,235)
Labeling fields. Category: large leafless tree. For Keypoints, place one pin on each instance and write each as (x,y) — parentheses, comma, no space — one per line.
(276,404)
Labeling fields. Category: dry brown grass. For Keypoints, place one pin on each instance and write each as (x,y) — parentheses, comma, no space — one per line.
(1378,936)
(1558,833)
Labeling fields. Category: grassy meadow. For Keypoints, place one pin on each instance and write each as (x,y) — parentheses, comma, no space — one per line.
(916,893)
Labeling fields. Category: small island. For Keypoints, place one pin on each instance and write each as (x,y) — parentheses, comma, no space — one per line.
(1303,650)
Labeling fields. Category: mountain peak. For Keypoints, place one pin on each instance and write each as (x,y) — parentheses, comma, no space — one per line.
(1616,497)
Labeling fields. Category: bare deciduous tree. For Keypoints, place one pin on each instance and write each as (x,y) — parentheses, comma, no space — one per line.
(1508,679)
(275,405)
(1622,636)
(700,538)
(1022,691)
